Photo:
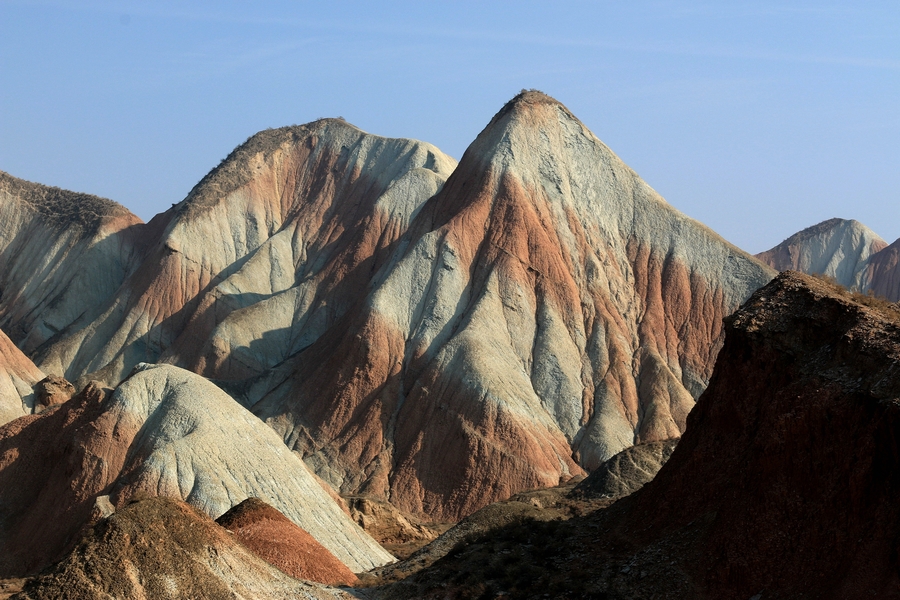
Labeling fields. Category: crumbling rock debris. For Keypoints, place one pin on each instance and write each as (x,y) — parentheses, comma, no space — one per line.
(52,390)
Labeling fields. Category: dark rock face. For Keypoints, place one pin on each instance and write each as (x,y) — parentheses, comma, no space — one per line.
(793,453)
(627,471)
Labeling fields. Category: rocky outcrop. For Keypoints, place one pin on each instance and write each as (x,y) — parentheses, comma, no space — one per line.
(62,256)
(18,375)
(627,471)
(277,540)
(791,456)
(163,548)
(52,391)
(162,432)
(848,251)
(545,310)
(399,533)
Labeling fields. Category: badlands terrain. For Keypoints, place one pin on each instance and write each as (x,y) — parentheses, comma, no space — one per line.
(340,350)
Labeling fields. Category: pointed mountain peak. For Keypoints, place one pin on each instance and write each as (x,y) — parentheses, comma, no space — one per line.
(528,102)
(839,248)
(835,225)
(530,98)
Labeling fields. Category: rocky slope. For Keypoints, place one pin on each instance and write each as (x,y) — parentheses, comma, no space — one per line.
(264,253)
(884,272)
(162,548)
(808,377)
(62,255)
(162,432)
(277,540)
(627,471)
(847,250)
(545,310)
(18,375)
(784,484)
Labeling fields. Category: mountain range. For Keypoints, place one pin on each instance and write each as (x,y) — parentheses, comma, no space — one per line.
(332,314)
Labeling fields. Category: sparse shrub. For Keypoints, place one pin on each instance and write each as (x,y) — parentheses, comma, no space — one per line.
(888,309)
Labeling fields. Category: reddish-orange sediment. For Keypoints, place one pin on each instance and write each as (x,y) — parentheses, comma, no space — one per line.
(277,540)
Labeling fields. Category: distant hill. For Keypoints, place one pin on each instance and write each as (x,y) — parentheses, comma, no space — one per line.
(847,250)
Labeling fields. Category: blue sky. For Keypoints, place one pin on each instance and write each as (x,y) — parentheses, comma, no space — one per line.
(756,118)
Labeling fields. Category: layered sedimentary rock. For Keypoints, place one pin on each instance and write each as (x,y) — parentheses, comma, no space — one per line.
(18,375)
(51,391)
(163,548)
(545,310)
(166,432)
(62,256)
(280,542)
(884,272)
(266,252)
(846,250)
(439,345)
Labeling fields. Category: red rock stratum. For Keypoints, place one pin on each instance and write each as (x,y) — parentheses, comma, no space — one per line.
(545,310)
(163,432)
(164,549)
(18,375)
(277,540)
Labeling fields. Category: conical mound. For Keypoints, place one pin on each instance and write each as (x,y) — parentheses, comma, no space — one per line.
(837,247)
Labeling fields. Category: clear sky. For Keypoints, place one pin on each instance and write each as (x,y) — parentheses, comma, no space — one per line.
(758,118)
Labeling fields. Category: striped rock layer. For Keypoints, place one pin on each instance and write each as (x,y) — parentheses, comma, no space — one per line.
(847,250)
(62,256)
(299,216)
(437,340)
(544,310)
(164,549)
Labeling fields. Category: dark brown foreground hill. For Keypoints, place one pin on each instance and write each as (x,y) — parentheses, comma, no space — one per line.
(162,548)
(784,485)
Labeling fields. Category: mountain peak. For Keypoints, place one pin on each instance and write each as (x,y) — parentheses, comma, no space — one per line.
(526,102)
(839,248)
(530,97)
